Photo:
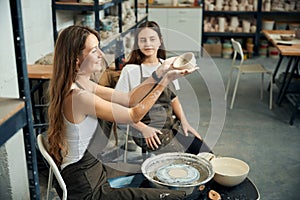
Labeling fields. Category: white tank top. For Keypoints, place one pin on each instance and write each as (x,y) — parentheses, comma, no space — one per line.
(78,137)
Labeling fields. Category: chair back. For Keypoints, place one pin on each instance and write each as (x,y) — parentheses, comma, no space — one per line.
(237,49)
(53,167)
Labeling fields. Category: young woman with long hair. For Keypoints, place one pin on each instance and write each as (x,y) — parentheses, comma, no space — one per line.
(165,127)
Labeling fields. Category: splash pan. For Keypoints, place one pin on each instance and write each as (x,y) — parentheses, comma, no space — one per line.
(180,171)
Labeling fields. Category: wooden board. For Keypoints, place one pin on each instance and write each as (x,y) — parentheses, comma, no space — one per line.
(8,107)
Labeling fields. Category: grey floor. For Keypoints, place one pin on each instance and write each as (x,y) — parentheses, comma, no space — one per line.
(261,137)
(251,132)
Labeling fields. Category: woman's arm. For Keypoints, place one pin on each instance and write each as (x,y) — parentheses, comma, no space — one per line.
(133,97)
(85,102)
(178,111)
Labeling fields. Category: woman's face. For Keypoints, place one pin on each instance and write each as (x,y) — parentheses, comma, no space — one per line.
(92,56)
(148,42)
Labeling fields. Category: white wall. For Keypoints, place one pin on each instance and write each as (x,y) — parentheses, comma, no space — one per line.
(37,22)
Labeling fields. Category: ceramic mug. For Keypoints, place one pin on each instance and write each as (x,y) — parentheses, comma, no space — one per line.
(246,26)
(185,61)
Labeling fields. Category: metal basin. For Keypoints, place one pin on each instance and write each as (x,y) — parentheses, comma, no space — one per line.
(177,171)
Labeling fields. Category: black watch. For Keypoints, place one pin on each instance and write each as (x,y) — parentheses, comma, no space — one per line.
(154,76)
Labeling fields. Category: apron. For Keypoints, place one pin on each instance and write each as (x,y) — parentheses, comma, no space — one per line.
(159,116)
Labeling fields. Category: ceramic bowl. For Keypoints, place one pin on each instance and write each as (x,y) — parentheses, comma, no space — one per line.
(286,37)
(229,171)
(185,61)
(177,171)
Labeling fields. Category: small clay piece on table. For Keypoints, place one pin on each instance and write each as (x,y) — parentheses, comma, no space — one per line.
(201,187)
(213,195)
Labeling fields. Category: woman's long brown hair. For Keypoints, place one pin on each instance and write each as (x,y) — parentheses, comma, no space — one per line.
(68,48)
(136,56)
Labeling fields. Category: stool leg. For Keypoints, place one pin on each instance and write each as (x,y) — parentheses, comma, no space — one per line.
(228,84)
(235,89)
(126,144)
(50,178)
(262,87)
(271,93)
(115,133)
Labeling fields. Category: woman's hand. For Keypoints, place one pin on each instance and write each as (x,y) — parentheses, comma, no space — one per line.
(150,135)
(166,69)
(175,73)
(186,127)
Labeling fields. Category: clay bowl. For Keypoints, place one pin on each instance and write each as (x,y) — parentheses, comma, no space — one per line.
(286,37)
(185,61)
(229,171)
(177,171)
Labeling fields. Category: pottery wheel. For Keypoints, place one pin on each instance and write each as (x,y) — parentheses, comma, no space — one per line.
(178,173)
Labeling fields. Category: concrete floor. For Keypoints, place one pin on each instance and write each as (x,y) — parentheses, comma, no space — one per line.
(261,137)
(251,132)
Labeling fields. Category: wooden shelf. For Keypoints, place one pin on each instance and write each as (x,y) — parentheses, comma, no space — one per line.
(9,107)
(12,117)
(84,6)
(228,34)
(252,13)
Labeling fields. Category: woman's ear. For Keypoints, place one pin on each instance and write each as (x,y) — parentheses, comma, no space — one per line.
(161,41)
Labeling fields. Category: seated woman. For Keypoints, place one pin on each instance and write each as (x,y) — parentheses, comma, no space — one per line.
(158,128)
(75,103)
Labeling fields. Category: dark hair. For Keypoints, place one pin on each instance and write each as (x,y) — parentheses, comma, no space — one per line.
(136,56)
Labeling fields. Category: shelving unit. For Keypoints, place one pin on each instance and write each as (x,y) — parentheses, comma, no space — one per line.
(95,8)
(16,113)
(259,14)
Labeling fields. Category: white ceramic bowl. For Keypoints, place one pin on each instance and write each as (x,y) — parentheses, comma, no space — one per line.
(185,61)
(229,171)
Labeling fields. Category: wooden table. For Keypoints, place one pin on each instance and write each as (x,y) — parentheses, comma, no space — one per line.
(274,37)
(39,71)
(288,49)
(39,75)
